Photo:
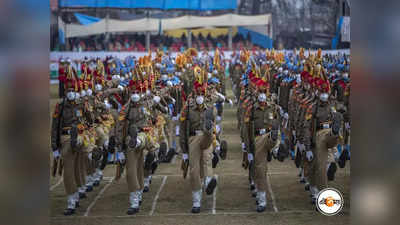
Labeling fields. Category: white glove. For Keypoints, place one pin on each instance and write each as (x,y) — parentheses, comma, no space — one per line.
(281,112)
(347,125)
(250,157)
(185,156)
(121,157)
(90,156)
(286,116)
(218,119)
(275,151)
(120,87)
(221,96)
(108,106)
(56,154)
(217,149)
(262,131)
(173,100)
(309,156)
(106,144)
(218,128)
(175,118)
(337,155)
(244,147)
(156,99)
(230,102)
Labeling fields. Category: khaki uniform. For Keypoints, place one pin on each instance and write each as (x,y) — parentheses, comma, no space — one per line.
(67,119)
(260,126)
(137,117)
(319,139)
(196,142)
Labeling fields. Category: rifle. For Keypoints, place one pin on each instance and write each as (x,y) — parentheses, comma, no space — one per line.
(185,164)
(314,127)
(120,167)
(57,164)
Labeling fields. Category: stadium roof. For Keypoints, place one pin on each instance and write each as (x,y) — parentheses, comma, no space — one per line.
(151,24)
(151,4)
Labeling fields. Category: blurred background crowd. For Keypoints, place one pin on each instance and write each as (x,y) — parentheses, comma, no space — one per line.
(136,42)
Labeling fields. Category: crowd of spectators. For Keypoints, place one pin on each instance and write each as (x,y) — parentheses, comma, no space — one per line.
(136,42)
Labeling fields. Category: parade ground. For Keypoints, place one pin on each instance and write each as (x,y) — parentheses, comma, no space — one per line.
(169,198)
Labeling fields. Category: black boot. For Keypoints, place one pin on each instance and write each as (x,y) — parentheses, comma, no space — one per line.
(89,188)
(260,208)
(252,187)
(132,211)
(68,212)
(215,160)
(195,209)
(223,150)
(82,195)
(146,189)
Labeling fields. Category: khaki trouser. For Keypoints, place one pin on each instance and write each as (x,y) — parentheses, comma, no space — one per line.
(135,170)
(263,145)
(135,162)
(69,161)
(80,168)
(200,155)
(318,176)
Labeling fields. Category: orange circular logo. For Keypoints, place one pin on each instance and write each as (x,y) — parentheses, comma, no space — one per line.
(329,201)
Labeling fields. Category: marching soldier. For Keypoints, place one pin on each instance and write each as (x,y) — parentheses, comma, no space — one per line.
(263,127)
(196,137)
(63,141)
(322,128)
(137,119)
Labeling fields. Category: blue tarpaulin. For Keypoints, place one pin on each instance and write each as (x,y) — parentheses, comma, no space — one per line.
(257,38)
(335,40)
(85,19)
(152,4)
(61,36)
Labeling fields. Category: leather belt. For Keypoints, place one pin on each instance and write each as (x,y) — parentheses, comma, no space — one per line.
(66,131)
(260,132)
(196,133)
(326,125)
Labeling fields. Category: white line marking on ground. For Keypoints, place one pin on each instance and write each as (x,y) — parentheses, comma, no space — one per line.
(215,197)
(97,197)
(272,194)
(56,185)
(153,207)
(189,214)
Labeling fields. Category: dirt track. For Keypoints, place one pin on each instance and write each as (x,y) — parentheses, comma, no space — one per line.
(232,203)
